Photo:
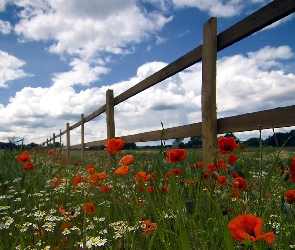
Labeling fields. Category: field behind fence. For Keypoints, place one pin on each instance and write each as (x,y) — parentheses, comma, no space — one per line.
(210,126)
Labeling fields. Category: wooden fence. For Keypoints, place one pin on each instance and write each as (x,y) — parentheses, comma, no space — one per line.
(210,125)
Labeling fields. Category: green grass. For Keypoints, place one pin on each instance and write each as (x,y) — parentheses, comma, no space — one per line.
(187,216)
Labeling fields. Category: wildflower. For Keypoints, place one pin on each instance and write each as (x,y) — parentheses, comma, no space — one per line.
(76,163)
(165,189)
(148,227)
(93,179)
(239,184)
(222,180)
(101,176)
(105,189)
(24,157)
(141,176)
(232,158)
(77,179)
(123,170)
(198,164)
(176,155)
(127,160)
(150,189)
(90,169)
(211,167)
(52,152)
(29,166)
(290,196)
(177,171)
(167,175)
(89,208)
(227,145)
(114,145)
(221,164)
(249,226)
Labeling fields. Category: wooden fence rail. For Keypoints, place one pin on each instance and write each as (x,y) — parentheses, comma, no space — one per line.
(207,53)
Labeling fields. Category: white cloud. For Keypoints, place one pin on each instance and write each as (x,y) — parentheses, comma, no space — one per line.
(90,27)
(10,69)
(82,73)
(215,8)
(245,85)
(5,27)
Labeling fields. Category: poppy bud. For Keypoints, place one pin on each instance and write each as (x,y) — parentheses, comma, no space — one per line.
(215,175)
(286,176)
(190,205)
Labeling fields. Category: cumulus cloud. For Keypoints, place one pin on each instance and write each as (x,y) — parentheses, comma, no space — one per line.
(5,27)
(10,69)
(242,80)
(215,8)
(90,27)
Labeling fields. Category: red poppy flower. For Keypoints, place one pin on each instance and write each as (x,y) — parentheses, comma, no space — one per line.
(176,155)
(141,176)
(222,180)
(89,208)
(292,170)
(127,160)
(221,164)
(90,169)
(177,171)
(249,226)
(76,163)
(24,157)
(167,175)
(29,166)
(152,176)
(227,145)
(165,189)
(123,170)
(101,176)
(290,196)
(239,184)
(105,189)
(211,167)
(199,164)
(77,179)
(148,227)
(232,158)
(150,189)
(52,152)
(114,145)
(93,179)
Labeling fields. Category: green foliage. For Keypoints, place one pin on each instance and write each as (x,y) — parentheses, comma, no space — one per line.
(192,213)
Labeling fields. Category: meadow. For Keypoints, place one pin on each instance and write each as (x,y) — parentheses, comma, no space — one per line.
(151,200)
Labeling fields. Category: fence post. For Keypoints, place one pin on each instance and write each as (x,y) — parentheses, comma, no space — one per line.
(209,112)
(68,140)
(110,114)
(60,138)
(82,138)
(47,145)
(53,142)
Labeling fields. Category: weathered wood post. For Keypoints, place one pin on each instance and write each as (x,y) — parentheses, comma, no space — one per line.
(60,138)
(54,141)
(68,140)
(47,144)
(82,138)
(209,107)
(110,119)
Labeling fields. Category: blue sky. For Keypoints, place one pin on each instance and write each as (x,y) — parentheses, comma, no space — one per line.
(58,58)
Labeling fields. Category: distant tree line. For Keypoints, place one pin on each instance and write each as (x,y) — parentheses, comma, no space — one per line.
(276,140)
